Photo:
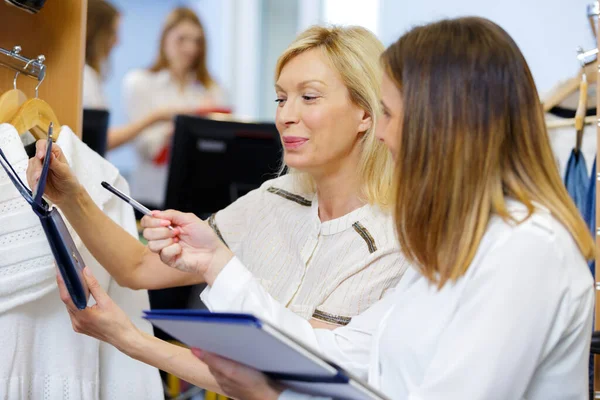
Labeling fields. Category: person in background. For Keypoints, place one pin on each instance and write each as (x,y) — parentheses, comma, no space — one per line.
(102,34)
(178,78)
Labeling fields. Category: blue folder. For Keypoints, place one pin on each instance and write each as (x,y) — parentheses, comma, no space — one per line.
(258,344)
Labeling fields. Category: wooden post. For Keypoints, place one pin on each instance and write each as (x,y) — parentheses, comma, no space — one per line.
(57,32)
(597,322)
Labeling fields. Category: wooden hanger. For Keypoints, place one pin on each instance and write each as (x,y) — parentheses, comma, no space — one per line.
(10,102)
(569,122)
(36,113)
(569,87)
(581,111)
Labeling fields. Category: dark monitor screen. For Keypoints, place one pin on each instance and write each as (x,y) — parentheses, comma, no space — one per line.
(215,162)
(94,129)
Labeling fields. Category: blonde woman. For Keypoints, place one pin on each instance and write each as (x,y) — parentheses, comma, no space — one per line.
(320,239)
(500,304)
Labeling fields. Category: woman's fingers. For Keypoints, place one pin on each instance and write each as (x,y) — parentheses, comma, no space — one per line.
(159,233)
(156,246)
(64,293)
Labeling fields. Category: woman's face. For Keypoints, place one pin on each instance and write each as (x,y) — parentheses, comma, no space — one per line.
(319,125)
(389,127)
(183,45)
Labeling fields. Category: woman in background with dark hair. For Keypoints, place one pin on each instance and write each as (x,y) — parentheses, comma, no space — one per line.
(178,78)
(102,33)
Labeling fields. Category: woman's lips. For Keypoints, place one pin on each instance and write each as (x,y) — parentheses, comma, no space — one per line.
(293,142)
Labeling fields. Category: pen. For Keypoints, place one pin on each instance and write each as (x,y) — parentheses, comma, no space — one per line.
(133,203)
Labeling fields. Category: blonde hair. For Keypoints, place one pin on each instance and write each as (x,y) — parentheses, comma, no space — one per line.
(474,133)
(101,16)
(354,52)
(175,17)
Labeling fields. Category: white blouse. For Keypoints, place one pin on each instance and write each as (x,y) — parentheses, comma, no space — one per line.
(516,326)
(41,357)
(93,92)
(330,271)
(144,93)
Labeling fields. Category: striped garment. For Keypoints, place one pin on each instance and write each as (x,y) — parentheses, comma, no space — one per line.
(330,271)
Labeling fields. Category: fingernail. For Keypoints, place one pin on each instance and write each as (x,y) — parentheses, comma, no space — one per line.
(197,352)
(87,271)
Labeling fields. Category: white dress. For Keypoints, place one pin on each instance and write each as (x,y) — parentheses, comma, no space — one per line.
(516,326)
(144,93)
(41,357)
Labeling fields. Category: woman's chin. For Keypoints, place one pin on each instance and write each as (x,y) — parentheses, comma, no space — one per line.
(296,162)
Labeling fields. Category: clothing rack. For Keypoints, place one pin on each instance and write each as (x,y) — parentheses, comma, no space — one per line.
(13,59)
(54,38)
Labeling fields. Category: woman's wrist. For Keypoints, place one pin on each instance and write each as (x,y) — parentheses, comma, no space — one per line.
(76,198)
(133,343)
(221,256)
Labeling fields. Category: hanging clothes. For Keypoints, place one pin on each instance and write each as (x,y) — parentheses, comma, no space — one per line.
(41,356)
(577,179)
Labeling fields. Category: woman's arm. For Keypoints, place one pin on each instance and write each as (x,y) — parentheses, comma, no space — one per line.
(123,256)
(123,134)
(107,322)
(131,263)
(176,360)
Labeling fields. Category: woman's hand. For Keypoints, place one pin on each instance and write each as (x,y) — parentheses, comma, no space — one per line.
(104,321)
(61,184)
(237,380)
(191,246)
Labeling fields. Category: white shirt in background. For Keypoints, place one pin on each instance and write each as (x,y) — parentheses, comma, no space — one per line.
(516,326)
(330,271)
(93,91)
(41,357)
(145,92)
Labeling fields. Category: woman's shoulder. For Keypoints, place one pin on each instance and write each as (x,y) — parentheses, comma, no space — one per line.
(286,187)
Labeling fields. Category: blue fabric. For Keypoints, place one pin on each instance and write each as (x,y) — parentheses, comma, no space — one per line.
(577,180)
(582,190)
(589,213)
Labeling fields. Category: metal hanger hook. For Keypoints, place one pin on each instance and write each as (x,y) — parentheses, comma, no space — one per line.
(40,59)
(17,75)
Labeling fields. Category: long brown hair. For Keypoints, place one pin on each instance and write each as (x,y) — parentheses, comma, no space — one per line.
(174,18)
(473,134)
(101,18)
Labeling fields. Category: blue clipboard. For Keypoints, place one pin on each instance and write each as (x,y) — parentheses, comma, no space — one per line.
(251,341)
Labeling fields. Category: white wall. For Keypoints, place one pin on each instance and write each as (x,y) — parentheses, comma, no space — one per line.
(547,31)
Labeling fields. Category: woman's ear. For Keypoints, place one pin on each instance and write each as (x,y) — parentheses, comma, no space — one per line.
(366,122)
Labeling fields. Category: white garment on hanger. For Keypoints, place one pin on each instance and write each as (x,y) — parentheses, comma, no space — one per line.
(41,357)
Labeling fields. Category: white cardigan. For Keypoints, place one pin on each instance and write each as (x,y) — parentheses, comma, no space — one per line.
(516,326)
(40,356)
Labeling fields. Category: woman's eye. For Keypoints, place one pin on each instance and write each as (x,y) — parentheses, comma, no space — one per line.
(279,101)
(309,98)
